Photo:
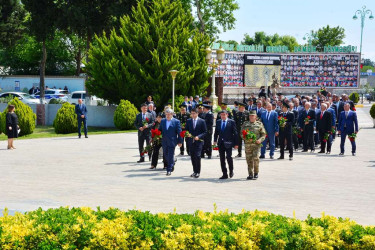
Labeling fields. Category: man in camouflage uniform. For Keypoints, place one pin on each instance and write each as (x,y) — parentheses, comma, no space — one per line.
(240,117)
(252,148)
(183,116)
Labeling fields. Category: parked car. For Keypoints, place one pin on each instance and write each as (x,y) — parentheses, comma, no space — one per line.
(53,94)
(74,96)
(23,97)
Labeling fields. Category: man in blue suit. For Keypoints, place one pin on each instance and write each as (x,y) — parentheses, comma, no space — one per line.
(226,137)
(170,128)
(259,109)
(270,121)
(348,124)
(197,128)
(81,112)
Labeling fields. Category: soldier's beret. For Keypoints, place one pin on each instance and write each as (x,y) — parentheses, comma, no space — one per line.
(242,104)
(253,112)
(206,106)
(224,104)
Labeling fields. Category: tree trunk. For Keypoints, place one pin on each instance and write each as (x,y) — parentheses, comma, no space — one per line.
(200,17)
(78,62)
(43,71)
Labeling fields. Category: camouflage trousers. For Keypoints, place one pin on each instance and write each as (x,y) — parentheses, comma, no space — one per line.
(252,158)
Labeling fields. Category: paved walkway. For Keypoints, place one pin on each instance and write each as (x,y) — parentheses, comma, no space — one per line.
(101,171)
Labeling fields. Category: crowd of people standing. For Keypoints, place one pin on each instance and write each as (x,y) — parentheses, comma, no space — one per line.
(263,124)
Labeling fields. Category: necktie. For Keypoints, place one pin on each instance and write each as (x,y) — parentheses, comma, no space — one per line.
(268,115)
(223,126)
(195,123)
(346,114)
(143,116)
(321,115)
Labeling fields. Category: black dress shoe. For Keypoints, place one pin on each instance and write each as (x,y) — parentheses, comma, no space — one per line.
(231,174)
(173,168)
(290,158)
(341,154)
(304,151)
(255,176)
(328,152)
(250,177)
(196,175)
(86,136)
(181,154)
(353,154)
(237,156)
(281,158)
(141,160)
(262,157)
(271,157)
(321,152)
(168,173)
(312,150)
(223,177)
(209,157)
(203,156)
(79,137)
(152,167)
(193,175)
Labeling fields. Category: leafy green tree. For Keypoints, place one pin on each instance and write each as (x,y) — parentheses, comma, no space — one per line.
(24,57)
(42,24)
(368,62)
(212,15)
(328,36)
(135,60)
(235,43)
(261,38)
(12,18)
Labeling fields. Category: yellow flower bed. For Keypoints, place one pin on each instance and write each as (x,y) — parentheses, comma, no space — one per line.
(84,228)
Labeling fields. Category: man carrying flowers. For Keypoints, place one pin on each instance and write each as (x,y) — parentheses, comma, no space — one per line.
(253,133)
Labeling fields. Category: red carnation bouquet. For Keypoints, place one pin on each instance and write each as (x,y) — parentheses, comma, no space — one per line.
(326,137)
(146,150)
(282,121)
(186,134)
(307,119)
(215,147)
(352,136)
(183,125)
(156,135)
(297,132)
(333,131)
(145,122)
(249,136)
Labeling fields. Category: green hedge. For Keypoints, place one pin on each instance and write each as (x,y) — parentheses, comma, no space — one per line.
(354,97)
(81,228)
(66,120)
(125,114)
(372,111)
(26,117)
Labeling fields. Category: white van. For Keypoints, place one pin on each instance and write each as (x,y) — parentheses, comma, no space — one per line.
(74,96)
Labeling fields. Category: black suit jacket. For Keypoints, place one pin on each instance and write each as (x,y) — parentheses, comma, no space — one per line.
(303,116)
(228,137)
(209,119)
(139,123)
(295,113)
(324,125)
(289,123)
(200,128)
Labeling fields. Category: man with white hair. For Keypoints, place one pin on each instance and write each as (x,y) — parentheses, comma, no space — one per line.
(306,124)
(151,111)
(324,125)
(170,128)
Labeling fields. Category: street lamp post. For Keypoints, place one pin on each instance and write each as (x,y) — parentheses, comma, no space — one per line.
(173,73)
(362,14)
(220,54)
(309,37)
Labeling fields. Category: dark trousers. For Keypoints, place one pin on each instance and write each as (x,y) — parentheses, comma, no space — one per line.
(168,155)
(288,137)
(226,153)
(207,147)
(240,143)
(195,154)
(142,137)
(155,155)
(277,143)
(182,149)
(343,138)
(80,120)
(295,141)
(308,138)
(323,144)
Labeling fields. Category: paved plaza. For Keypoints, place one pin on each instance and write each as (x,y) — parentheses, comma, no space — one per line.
(102,171)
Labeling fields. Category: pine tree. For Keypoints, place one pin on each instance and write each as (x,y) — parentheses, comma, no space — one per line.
(134,61)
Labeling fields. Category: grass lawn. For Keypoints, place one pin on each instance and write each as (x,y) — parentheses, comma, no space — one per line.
(49,131)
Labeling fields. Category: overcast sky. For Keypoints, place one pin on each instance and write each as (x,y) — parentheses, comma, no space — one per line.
(298,17)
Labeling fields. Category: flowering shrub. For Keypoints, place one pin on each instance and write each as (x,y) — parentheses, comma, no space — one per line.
(80,228)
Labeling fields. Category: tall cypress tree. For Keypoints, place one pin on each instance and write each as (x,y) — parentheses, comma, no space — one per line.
(134,61)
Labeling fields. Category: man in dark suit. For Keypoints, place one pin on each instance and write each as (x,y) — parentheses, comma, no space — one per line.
(197,128)
(286,132)
(151,111)
(250,105)
(143,122)
(348,124)
(295,124)
(170,128)
(208,117)
(259,109)
(223,106)
(323,126)
(271,124)
(81,112)
(226,137)
(183,116)
(241,116)
(307,127)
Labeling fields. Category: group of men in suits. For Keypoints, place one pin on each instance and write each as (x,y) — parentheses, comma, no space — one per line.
(288,124)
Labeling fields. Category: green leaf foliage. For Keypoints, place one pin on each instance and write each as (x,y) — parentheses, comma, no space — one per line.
(261,38)
(12,18)
(125,114)
(26,117)
(66,119)
(328,36)
(372,111)
(354,97)
(135,60)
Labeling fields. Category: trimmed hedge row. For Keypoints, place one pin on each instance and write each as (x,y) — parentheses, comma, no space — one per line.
(66,228)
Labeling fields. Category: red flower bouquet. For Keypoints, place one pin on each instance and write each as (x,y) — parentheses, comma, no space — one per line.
(249,136)
(282,121)
(145,122)
(326,137)
(307,119)
(352,137)
(146,150)
(215,147)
